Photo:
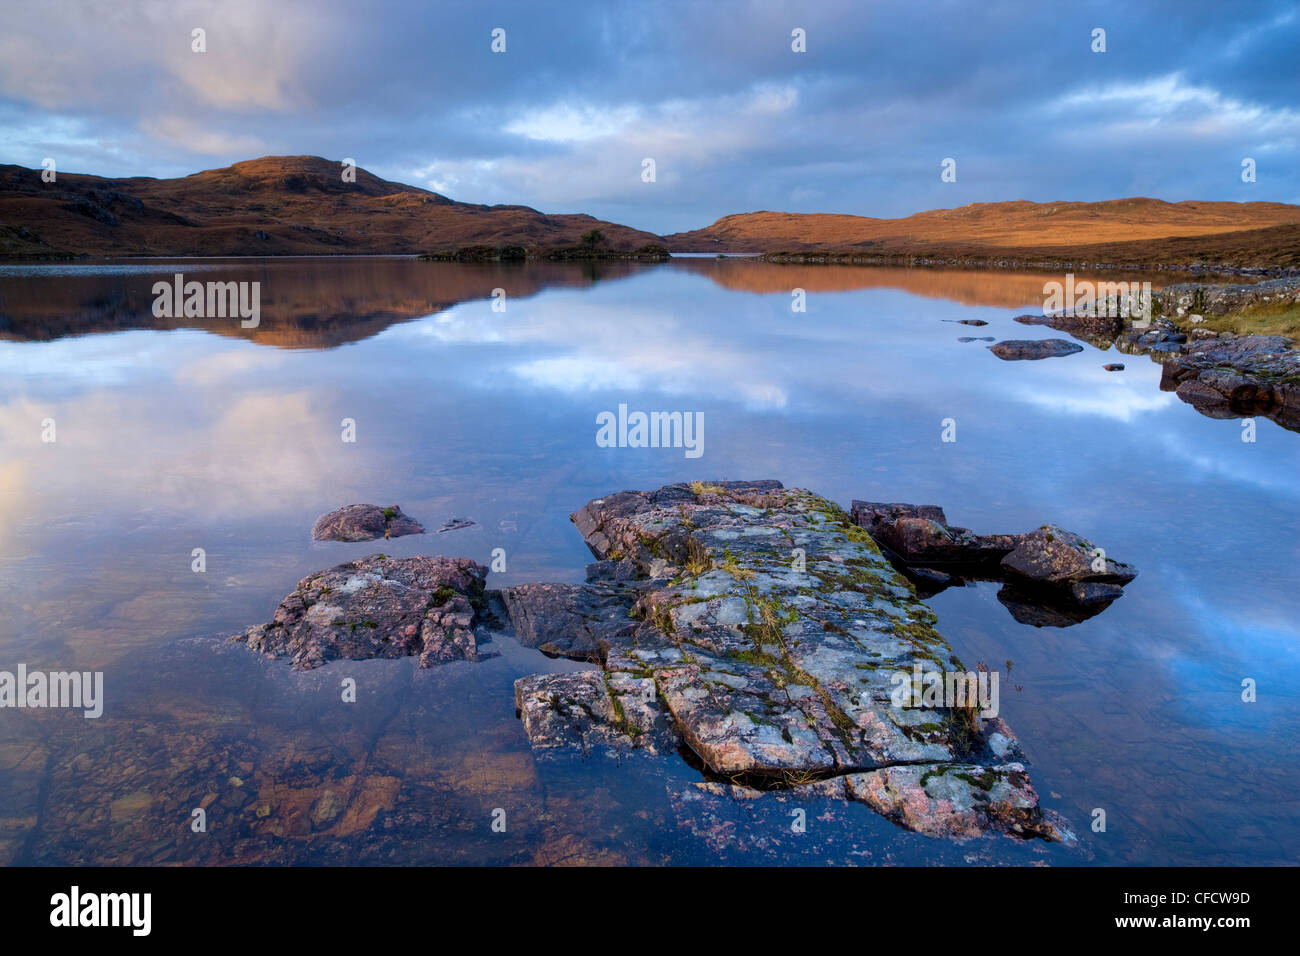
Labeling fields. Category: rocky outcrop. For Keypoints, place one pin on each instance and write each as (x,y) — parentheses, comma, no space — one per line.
(1220,374)
(1097,330)
(594,710)
(762,632)
(1053,577)
(1016,350)
(364,523)
(1232,376)
(1195,298)
(753,630)
(377,607)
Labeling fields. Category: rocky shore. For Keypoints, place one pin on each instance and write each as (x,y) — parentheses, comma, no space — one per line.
(756,631)
(1222,374)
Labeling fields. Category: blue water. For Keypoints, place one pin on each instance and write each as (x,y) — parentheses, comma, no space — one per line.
(170,439)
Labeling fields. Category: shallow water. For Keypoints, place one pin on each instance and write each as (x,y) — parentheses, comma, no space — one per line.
(172,438)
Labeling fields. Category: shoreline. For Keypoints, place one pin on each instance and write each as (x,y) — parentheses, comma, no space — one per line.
(660,254)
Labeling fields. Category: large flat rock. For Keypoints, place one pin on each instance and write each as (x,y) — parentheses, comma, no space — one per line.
(766,630)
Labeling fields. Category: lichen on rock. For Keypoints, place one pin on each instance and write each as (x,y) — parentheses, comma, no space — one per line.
(377,607)
(765,627)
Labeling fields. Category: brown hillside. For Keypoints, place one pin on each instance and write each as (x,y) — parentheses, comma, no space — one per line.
(278,205)
(1124,230)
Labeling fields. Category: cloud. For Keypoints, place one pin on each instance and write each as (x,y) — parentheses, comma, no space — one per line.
(733,117)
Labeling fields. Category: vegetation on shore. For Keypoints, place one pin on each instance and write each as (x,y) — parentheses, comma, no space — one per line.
(1258,318)
(588,249)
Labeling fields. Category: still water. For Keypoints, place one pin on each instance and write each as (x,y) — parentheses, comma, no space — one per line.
(173,435)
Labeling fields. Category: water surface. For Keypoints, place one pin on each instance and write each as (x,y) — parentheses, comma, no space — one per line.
(171,438)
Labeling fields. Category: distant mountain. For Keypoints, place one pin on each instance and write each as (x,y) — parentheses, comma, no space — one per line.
(300,205)
(1134,231)
(277,205)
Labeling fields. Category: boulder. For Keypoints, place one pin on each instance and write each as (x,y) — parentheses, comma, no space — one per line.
(1014,350)
(1063,560)
(364,523)
(921,535)
(377,607)
(1054,569)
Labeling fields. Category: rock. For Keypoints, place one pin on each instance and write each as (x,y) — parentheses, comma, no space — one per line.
(1114,367)
(920,535)
(377,607)
(571,620)
(364,523)
(935,555)
(593,710)
(957,801)
(1197,300)
(768,671)
(455,524)
(325,809)
(1014,350)
(1094,329)
(1060,559)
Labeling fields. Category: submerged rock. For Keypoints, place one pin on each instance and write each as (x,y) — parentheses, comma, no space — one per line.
(765,632)
(455,524)
(364,523)
(1015,350)
(377,607)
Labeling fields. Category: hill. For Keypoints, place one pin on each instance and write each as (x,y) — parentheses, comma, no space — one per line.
(277,205)
(1137,231)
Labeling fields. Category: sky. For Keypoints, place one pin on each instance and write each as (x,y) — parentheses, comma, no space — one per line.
(734,119)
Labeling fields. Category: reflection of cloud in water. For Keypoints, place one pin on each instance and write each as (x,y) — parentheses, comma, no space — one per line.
(260,453)
(1121,401)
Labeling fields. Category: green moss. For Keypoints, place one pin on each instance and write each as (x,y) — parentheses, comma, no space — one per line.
(442,596)
(984,781)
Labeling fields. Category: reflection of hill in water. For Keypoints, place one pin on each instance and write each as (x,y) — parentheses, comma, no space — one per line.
(323,303)
(967,286)
(318,303)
